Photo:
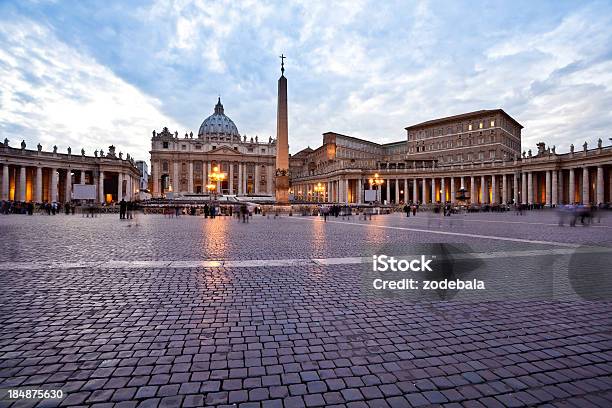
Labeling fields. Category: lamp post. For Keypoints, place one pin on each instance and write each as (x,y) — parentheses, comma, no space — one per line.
(376,181)
(319,188)
(215,177)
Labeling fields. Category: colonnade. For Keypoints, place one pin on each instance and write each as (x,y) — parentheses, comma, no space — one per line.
(549,187)
(41,183)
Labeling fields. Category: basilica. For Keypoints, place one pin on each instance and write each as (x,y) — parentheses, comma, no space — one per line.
(182,164)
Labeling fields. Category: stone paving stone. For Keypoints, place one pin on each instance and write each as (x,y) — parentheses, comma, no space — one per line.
(302,335)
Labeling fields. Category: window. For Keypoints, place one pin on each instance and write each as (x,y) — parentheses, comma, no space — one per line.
(470,126)
(492,123)
(459,157)
(165,164)
(165,145)
(491,154)
(236,148)
(214,147)
(184,147)
(263,150)
(480,155)
(198,147)
(480,125)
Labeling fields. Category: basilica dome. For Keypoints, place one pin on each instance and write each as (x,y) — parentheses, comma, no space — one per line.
(218,125)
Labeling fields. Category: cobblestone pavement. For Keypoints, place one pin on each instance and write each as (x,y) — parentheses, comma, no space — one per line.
(300,334)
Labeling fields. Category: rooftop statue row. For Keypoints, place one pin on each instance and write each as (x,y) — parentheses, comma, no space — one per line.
(110,155)
(165,133)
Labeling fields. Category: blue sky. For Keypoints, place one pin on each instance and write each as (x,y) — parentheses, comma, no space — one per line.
(91,74)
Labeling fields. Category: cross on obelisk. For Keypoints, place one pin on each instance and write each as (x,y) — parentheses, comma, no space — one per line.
(282,57)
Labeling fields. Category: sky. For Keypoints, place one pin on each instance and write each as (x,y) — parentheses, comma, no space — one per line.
(90,74)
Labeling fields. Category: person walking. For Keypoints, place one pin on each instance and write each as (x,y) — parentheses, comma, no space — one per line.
(122,208)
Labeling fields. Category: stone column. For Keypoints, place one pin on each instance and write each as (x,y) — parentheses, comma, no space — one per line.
(462,183)
(433,190)
(515,189)
(5,181)
(524,188)
(53,188)
(240,191)
(530,187)
(359,190)
(68,186)
(473,197)
(424,190)
(494,189)
(82,177)
(176,186)
(555,185)
(572,187)
(548,187)
(256,178)
(397,191)
(346,193)
(38,195)
(406,195)
(101,188)
(585,186)
(483,190)
(600,186)
(119,186)
(22,183)
(231,178)
(415,191)
(504,189)
(453,193)
(560,187)
(443,188)
(190,177)
(388,186)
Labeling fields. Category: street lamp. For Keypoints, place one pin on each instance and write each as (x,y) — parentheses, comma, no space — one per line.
(376,181)
(215,178)
(319,188)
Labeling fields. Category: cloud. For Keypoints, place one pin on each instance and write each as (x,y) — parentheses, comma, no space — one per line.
(362,68)
(55,94)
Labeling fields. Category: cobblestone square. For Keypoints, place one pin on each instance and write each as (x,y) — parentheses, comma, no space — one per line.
(190,312)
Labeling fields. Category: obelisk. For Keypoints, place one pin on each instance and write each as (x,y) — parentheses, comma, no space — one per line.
(282,140)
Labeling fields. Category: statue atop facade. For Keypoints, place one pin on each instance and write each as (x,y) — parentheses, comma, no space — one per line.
(572,148)
(127,156)
(120,156)
(524,154)
(186,135)
(54,149)
(111,151)
(529,153)
(270,140)
(251,139)
(176,134)
(83,152)
(256,139)
(39,147)
(95,153)
(585,146)
(553,149)
(244,138)
(69,150)
(599,143)
(153,132)
(5,142)
(191,135)
(541,148)
(23,144)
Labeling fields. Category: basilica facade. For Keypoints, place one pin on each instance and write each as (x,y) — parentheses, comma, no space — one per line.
(182,165)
